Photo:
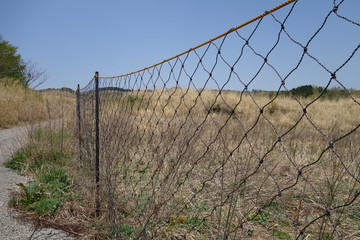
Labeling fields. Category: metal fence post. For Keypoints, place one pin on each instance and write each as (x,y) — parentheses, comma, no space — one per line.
(78,114)
(97,146)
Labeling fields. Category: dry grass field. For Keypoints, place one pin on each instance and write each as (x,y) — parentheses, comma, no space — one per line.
(196,164)
(187,164)
(21,106)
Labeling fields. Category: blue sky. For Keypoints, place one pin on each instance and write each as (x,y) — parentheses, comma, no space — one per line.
(71,39)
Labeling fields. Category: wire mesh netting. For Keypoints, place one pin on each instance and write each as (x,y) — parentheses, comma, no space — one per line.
(190,148)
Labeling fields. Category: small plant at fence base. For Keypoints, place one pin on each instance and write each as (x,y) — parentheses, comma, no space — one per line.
(45,159)
(18,160)
(57,195)
(45,194)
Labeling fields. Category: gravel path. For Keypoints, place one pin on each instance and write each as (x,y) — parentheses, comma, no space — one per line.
(10,228)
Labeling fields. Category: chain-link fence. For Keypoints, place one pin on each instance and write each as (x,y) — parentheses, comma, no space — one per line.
(189,149)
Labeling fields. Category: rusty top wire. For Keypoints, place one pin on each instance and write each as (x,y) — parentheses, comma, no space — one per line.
(211,40)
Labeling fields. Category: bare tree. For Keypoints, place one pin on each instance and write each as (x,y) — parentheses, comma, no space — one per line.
(34,77)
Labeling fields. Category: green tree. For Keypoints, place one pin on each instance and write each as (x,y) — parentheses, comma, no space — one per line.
(303,91)
(11,64)
(13,67)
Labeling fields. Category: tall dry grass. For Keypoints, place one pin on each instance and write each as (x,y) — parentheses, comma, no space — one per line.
(49,146)
(21,106)
(182,163)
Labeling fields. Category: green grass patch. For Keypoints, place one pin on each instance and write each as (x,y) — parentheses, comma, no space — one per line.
(136,101)
(284,223)
(46,148)
(263,218)
(128,230)
(281,235)
(44,160)
(18,160)
(45,194)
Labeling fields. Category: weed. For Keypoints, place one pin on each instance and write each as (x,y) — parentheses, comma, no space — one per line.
(196,222)
(177,220)
(262,218)
(281,235)
(202,206)
(39,134)
(326,236)
(18,160)
(142,171)
(31,193)
(45,206)
(220,109)
(249,232)
(273,108)
(44,195)
(284,223)
(355,215)
(54,175)
(134,100)
(127,229)
(96,224)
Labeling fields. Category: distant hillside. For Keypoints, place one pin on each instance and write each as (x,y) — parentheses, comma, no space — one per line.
(64,89)
(304,91)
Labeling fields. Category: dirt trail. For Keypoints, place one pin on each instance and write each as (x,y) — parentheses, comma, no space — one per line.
(10,228)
